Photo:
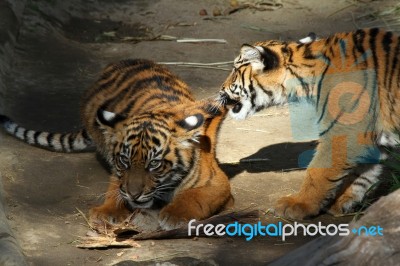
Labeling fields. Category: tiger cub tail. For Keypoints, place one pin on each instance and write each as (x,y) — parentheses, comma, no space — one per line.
(59,142)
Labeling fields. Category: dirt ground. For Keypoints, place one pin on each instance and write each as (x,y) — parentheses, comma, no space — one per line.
(61,47)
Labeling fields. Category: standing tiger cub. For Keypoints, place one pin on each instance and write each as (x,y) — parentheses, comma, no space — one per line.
(353,81)
(159,142)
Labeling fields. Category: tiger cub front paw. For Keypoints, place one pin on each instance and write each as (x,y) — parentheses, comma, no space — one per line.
(107,216)
(343,204)
(295,208)
(172,218)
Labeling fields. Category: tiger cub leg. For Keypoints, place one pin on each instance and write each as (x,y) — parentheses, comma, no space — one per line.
(113,210)
(356,191)
(321,182)
(195,203)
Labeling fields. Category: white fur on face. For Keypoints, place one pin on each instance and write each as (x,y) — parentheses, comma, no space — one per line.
(261,100)
(245,112)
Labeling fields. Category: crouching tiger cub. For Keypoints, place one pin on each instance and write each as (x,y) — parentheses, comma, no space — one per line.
(353,81)
(159,142)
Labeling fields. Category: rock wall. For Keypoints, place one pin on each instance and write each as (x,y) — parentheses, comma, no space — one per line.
(10,15)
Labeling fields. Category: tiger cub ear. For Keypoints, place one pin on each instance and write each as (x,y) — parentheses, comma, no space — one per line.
(260,58)
(191,122)
(192,132)
(250,53)
(108,118)
(311,37)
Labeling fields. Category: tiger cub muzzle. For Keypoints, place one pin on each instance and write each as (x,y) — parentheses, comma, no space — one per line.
(137,188)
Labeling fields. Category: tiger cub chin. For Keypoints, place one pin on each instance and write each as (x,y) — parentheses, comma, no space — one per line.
(159,143)
(353,82)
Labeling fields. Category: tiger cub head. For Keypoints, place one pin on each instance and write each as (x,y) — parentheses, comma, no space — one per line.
(154,152)
(256,80)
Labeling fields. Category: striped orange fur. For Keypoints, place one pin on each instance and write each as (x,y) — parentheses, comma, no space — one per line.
(159,143)
(353,81)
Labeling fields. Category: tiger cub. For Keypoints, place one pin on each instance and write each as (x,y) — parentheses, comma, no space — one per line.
(353,82)
(159,143)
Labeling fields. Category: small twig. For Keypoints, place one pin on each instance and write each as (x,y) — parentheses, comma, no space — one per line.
(190,40)
(82,186)
(207,67)
(340,10)
(347,214)
(354,20)
(86,219)
(282,244)
(197,64)
(254,160)
(255,130)
(214,65)
(251,27)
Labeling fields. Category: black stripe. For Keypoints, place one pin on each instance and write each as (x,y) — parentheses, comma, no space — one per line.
(357,183)
(330,126)
(398,73)
(50,137)
(123,92)
(335,40)
(62,137)
(132,97)
(137,65)
(366,179)
(307,53)
(308,65)
(36,137)
(319,86)
(193,160)
(179,157)
(358,39)
(290,60)
(162,82)
(98,89)
(26,135)
(242,77)
(332,51)
(372,42)
(303,84)
(386,43)
(86,137)
(162,98)
(71,140)
(396,54)
(324,108)
(253,94)
(328,40)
